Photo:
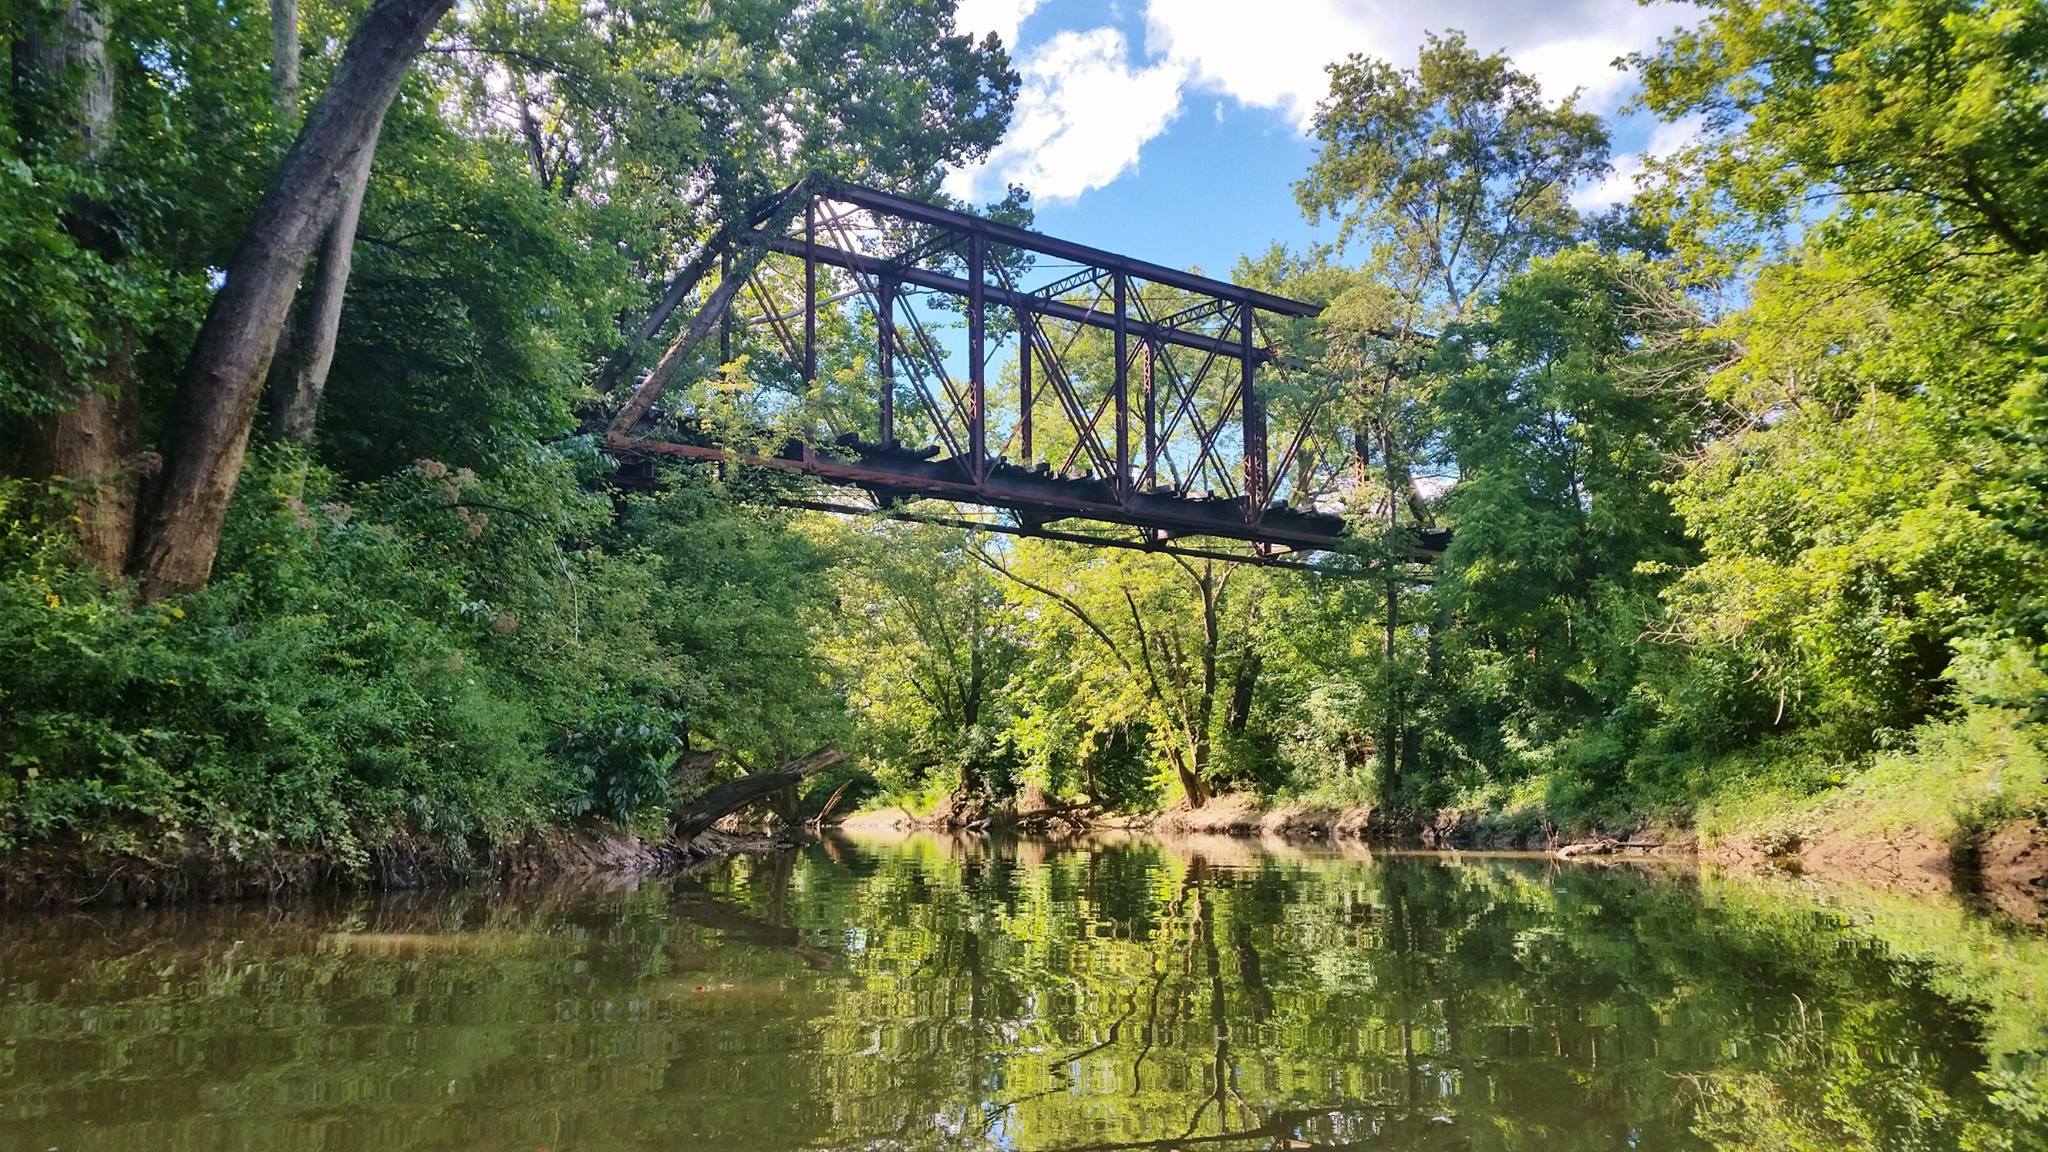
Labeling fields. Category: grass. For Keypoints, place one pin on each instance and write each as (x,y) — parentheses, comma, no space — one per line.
(1959,778)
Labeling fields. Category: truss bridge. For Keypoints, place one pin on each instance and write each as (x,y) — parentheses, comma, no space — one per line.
(906,352)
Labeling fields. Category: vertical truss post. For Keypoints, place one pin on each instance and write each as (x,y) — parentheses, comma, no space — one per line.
(810,289)
(1254,435)
(1151,464)
(977,361)
(1120,484)
(1024,358)
(885,330)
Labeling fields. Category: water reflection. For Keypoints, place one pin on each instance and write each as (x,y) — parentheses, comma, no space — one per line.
(926,993)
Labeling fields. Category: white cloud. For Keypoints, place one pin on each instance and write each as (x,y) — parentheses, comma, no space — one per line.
(1269,57)
(1623,182)
(1584,64)
(1002,17)
(1274,57)
(1087,106)
(1082,115)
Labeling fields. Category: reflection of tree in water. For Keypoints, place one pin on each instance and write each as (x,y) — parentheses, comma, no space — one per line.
(934,995)
(1409,1002)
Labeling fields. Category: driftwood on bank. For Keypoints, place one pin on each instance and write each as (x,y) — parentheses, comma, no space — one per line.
(1031,810)
(692,817)
(831,804)
(1605,847)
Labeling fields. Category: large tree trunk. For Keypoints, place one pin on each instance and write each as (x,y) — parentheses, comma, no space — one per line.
(1243,690)
(284,53)
(694,816)
(208,433)
(64,84)
(305,346)
(305,351)
(64,89)
(88,453)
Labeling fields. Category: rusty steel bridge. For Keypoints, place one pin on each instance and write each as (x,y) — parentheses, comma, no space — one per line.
(1038,380)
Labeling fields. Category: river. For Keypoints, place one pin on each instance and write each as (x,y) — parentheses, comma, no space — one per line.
(924,993)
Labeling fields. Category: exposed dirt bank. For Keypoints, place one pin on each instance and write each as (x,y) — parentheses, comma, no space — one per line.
(2011,870)
(75,874)
(1909,861)
(2007,866)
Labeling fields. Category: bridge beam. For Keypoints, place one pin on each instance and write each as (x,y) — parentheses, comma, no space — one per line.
(1020,490)
(1003,297)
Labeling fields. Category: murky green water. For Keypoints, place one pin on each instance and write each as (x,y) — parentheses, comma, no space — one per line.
(920,994)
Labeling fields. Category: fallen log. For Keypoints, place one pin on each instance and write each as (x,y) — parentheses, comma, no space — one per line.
(831,803)
(1060,819)
(690,818)
(1605,847)
(1587,848)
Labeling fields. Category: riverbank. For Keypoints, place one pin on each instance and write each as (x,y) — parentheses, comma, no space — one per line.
(2004,862)
(75,874)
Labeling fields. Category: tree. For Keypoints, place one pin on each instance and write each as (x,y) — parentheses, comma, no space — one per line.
(683,115)
(1861,151)
(1163,632)
(1846,551)
(736,605)
(62,90)
(928,644)
(208,431)
(1938,107)
(1570,403)
(436,620)
(305,346)
(1456,171)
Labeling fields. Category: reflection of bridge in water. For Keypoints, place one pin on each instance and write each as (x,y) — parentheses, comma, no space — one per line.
(1129,395)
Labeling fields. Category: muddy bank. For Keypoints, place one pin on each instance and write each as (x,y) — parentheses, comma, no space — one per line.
(1469,829)
(1030,812)
(2011,870)
(75,874)
(2006,865)
(1242,815)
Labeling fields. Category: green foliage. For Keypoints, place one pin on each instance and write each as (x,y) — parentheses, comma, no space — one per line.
(326,690)
(929,645)
(1745,481)
(619,756)
(1457,170)
(1957,778)
(2015,498)
(729,605)
(1565,408)
(453,228)
(419,654)
(1933,108)
(438,627)
(104,259)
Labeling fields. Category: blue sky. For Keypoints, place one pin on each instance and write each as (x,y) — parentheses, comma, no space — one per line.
(1174,130)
